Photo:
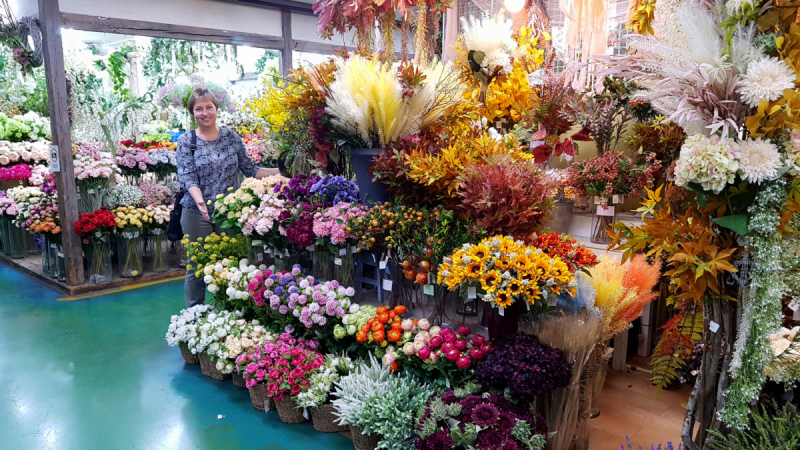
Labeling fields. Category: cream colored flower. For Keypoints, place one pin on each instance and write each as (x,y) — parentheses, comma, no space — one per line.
(759,160)
(766,78)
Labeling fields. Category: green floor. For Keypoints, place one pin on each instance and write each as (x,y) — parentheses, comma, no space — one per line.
(98,374)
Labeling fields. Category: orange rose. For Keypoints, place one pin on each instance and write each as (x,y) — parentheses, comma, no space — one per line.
(399,309)
(377,326)
(397,325)
(361,336)
(378,335)
(382,310)
(394,335)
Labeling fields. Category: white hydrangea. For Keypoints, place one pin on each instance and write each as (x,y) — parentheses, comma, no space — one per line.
(184,327)
(711,162)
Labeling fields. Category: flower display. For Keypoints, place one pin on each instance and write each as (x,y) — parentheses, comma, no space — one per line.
(505,270)
(523,365)
(20,171)
(613,173)
(284,366)
(131,218)
(228,280)
(353,321)
(212,250)
(28,152)
(765,79)
(492,38)
(93,169)
(124,195)
(759,160)
(132,161)
(486,422)
(573,253)
(99,222)
(241,336)
(160,215)
(321,381)
(183,327)
(332,223)
(39,175)
(8,207)
(253,207)
(213,328)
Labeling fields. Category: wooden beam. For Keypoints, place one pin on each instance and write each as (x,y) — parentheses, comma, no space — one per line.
(288,43)
(319,47)
(163,30)
(283,5)
(50,20)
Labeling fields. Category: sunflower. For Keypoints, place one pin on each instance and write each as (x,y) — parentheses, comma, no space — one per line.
(515,287)
(480,251)
(474,270)
(490,281)
(503,299)
(502,263)
(532,294)
(521,262)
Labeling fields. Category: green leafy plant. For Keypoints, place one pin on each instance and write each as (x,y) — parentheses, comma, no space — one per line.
(262,61)
(777,429)
(117,68)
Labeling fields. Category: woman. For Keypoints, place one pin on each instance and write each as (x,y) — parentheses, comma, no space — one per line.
(211,170)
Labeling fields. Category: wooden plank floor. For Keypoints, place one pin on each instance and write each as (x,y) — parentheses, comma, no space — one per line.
(628,406)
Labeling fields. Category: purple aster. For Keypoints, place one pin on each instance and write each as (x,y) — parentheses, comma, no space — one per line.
(484,415)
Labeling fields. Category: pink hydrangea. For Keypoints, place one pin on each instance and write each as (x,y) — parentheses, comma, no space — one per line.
(332,222)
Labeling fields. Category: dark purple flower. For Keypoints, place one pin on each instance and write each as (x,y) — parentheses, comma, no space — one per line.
(484,415)
(438,441)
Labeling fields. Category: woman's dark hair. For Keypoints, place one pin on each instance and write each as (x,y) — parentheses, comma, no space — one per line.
(199,93)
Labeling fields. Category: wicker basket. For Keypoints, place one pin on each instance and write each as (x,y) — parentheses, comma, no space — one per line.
(364,441)
(323,419)
(209,368)
(238,379)
(187,354)
(258,395)
(288,412)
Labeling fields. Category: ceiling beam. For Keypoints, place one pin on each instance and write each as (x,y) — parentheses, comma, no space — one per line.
(284,5)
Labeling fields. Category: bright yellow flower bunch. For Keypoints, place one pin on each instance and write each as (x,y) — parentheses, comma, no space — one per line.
(440,171)
(270,105)
(213,249)
(503,270)
(129,217)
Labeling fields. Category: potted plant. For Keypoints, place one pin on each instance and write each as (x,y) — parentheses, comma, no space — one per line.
(182,331)
(316,395)
(288,373)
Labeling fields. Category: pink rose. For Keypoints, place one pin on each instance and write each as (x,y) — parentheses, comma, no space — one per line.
(464,331)
(461,344)
(449,337)
(424,352)
(463,362)
(452,354)
(295,389)
(250,383)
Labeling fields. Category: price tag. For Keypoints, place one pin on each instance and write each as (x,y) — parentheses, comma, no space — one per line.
(338,261)
(267,405)
(427,289)
(713,326)
(796,315)
(382,265)
(794,306)
(342,251)
(286,253)
(605,210)
(305,413)
(354,249)
(596,200)
(528,305)
(257,243)
(552,301)
(472,292)
(310,248)
(616,199)
(260,257)
(387,285)
(502,312)
(447,381)
(55,166)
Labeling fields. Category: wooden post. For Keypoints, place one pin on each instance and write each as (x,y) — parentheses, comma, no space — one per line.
(288,42)
(50,20)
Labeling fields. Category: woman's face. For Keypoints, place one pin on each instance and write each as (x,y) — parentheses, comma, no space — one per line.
(205,113)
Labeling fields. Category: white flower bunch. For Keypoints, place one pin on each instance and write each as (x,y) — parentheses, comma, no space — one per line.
(243,336)
(24,194)
(212,330)
(123,195)
(239,277)
(29,152)
(711,162)
(260,186)
(183,327)
(321,382)
(40,126)
(160,213)
(493,36)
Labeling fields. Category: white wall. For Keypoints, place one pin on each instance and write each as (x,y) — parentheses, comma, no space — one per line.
(196,13)
(24,8)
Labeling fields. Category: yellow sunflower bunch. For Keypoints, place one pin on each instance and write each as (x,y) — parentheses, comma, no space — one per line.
(129,217)
(504,270)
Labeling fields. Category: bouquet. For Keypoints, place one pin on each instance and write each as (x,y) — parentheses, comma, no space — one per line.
(12,129)
(214,249)
(228,280)
(8,207)
(183,328)
(124,195)
(40,174)
(321,381)
(132,161)
(332,223)
(352,322)
(253,207)
(283,366)
(477,421)
(212,328)
(524,366)
(335,189)
(574,254)
(90,149)
(505,271)
(19,172)
(132,219)
(157,228)
(241,337)
(91,225)
(613,173)
(39,126)
(155,194)
(131,223)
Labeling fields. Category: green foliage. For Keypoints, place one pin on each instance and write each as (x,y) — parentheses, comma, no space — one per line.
(157,137)
(769,430)
(157,65)
(12,129)
(117,68)
(37,100)
(267,56)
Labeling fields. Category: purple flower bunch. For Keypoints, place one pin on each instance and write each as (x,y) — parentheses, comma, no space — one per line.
(132,160)
(336,189)
(298,190)
(491,422)
(297,224)
(525,366)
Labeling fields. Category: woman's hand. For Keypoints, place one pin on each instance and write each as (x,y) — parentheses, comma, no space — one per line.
(201,206)
(265,172)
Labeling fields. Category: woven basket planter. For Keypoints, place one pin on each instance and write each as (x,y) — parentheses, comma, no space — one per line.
(238,379)
(258,395)
(209,369)
(187,354)
(323,419)
(288,411)
(364,441)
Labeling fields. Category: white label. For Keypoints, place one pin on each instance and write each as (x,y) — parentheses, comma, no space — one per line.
(387,285)
(354,249)
(305,413)
(447,381)
(267,251)
(605,210)
(427,289)
(286,253)
(596,200)
(267,406)
(794,306)
(310,248)
(257,243)
(502,312)
(338,261)
(713,326)
(90,191)
(615,198)
(472,292)
(260,257)
(220,416)
(528,305)
(55,166)
(342,251)
(382,264)
(796,315)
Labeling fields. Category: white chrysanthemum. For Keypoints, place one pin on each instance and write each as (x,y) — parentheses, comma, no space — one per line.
(491,35)
(766,78)
(759,160)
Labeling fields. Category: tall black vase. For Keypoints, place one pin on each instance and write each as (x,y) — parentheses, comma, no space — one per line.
(282,168)
(506,324)
(360,160)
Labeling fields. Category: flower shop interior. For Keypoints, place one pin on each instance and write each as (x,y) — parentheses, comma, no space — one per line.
(489,224)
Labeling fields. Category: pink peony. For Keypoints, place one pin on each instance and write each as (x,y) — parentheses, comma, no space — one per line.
(464,331)
(452,354)
(478,340)
(476,353)
(435,341)
(424,352)
(461,344)
(463,362)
